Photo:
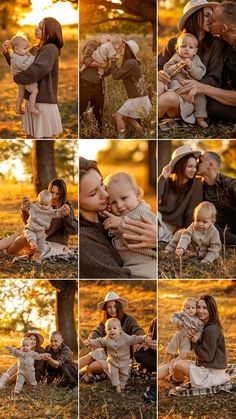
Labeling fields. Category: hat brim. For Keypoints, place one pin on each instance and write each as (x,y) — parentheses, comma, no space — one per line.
(177,158)
(186,15)
(40,337)
(135,55)
(123,301)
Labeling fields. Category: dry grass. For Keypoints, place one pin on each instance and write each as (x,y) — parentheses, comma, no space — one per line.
(10,126)
(100,400)
(171,295)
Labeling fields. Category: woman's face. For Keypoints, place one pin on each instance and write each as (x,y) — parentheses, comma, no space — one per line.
(111,308)
(33,340)
(56,195)
(39,30)
(207,18)
(202,311)
(191,168)
(122,49)
(93,196)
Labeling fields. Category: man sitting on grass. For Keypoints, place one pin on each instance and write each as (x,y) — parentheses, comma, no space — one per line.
(61,363)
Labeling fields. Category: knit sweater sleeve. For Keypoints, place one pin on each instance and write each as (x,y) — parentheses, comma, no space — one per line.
(214,248)
(98,332)
(124,71)
(214,67)
(205,348)
(176,317)
(185,238)
(196,198)
(131,327)
(198,69)
(172,65)
(42,66)
(134,340)
(70,222)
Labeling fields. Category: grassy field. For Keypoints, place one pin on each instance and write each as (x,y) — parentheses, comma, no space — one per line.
(10,125)
(11,222)
(187,268)
(115,96)
(171,295)
(100,400)
(167,29)
(47,401)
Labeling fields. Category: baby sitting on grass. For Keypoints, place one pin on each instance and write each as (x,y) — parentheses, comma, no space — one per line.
(201,236)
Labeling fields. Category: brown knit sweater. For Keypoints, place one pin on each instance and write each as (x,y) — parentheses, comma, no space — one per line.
(177,207)
(211,350)
(131,74)
(44,70)
(98,258)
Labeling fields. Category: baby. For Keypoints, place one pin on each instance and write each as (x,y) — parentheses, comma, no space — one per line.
(125,200)
(21,59)
(25,364)
(118,345)
(202,235)
(185,64)
(109,47)
(185,321)
(40,216)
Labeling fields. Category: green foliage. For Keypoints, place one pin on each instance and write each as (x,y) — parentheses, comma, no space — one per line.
(66,158)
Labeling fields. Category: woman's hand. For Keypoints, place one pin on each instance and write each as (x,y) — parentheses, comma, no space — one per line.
(65,210)
(86,342)
(166,171)
(112,221)
(140,346)
(25,204)
(6,45)
(192,335)
(145,232)
(188,63)
(164,77)
(180,324)
(188,85)
(152,345)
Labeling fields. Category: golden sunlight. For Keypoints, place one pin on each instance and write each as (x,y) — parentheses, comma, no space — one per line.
(89,149)
(62,11)
(13,167)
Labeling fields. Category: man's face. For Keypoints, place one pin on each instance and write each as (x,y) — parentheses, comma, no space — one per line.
(203,164)
(217,22)
(56,342)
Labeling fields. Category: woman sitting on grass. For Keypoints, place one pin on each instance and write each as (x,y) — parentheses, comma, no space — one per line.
(138,103)
(112,307)
(59,231)
(179,192)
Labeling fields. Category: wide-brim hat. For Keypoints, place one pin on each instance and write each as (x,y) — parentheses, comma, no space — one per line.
(34,332)
(191,7)
(182,152)
(133,46)
(112,296)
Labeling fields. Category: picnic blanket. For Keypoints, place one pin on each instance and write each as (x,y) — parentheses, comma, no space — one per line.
(70,255)
(193,391)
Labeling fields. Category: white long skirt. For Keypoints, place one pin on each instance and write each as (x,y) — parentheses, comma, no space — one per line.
(46,125)
(207,377)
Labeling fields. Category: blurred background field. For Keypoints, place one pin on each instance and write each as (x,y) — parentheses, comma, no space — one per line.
(171,295)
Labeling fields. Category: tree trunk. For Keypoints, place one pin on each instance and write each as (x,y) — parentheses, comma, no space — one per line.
(152,162)
(65,321)
(43,164)
(164,154)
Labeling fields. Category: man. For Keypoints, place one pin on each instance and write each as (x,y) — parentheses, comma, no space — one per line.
(220,190)
(61,363)
(91,86)
(222,105)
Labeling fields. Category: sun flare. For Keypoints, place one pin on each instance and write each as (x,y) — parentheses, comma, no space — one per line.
(62,11)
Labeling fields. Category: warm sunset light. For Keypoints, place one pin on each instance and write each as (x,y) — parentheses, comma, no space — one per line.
(62,11)
(89,149)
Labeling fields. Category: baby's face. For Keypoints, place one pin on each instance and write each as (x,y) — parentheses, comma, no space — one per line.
(113,331)
(22,48)
(187,47)
(105,37)
(202,221)
(122,198)
(26,346)
(190,308)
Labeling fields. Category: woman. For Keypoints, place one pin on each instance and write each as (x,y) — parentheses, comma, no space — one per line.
(179,192)
(60,228)
(44,70)
(36,340)
(210,351)
(196,20)
(138,102)
(112,307)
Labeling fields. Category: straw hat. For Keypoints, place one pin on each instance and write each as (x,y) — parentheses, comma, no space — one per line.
(35,333)
(181,152)
(191,7)
(112,296)
(134,47)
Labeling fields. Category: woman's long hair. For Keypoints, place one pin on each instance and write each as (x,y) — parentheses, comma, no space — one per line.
(179,172)
(52,33)
(85,166)
(119,310)
(212,309)
(194,24)
(60,183)
(128,54)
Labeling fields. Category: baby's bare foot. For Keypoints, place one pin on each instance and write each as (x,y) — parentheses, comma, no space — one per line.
(118,389)
(33,245)
(20,112)
(35,111)
(201,122)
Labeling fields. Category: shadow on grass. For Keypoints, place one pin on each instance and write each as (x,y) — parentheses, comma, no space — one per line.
(216,130)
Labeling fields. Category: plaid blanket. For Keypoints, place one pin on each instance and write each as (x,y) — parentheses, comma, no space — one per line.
(228,387)
(71,255)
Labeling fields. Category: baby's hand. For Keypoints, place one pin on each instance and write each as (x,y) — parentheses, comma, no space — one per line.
(6,45)
(205,262)
(148,337)
(112,221)
(46,356)
(179,252)
(9,348)
(195,338)
(188,63)
(179,324)
(25,203)
(86,342)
